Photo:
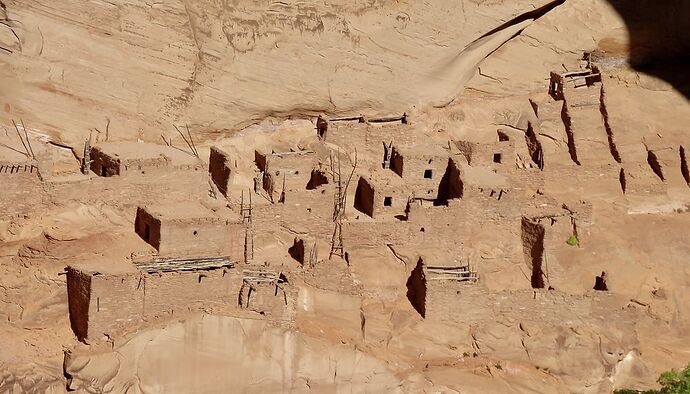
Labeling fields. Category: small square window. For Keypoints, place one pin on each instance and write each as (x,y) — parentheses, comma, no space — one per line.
(497,158)
(388,201)
(428,174)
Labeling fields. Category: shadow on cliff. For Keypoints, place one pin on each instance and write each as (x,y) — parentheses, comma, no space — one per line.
(659,34)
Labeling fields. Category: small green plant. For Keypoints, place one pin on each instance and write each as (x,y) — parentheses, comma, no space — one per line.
(672,382)
(573,241)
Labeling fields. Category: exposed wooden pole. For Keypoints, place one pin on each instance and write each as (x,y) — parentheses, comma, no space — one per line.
(20,137)
(185,139)
(28,142)
(196,152)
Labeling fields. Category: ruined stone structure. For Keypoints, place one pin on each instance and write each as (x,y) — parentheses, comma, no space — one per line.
(305,251)
(431,288)
(103,303)
(285,172)
(188,229)
(418,162)
(561,83)
(126,158)
(500,154)
(267,293)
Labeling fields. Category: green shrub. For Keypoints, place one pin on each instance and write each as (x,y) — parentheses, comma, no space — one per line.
(672,382)
(573,241)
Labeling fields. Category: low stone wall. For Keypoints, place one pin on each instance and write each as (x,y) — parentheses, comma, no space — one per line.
(102,306)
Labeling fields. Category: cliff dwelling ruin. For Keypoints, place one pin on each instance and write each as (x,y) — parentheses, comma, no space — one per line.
(409,197)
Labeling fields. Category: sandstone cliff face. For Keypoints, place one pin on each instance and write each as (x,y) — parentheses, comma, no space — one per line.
(223,65)
(216,354)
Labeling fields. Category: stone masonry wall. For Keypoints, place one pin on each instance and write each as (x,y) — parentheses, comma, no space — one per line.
(78,296)
(202,237)
(103,304)
(220,168)
(148,228)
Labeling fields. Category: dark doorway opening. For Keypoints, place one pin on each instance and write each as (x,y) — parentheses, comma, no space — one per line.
(428,174)
(388,201)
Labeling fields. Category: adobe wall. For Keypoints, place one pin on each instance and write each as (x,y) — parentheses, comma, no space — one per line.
(398,201)
(275,301)
(451,301)
(295,182)
(358,234)
(102,164)
(485,155)
(202,237)
(478,209)
(220,167)
(78,299)
(525,180)
(141,166)
(117,303)
(369,137)
(413,166)
(130,192)
(148,228)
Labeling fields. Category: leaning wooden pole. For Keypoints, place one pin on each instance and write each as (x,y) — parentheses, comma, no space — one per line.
(28,142)
(196,152)
(20,137)
(185,139)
